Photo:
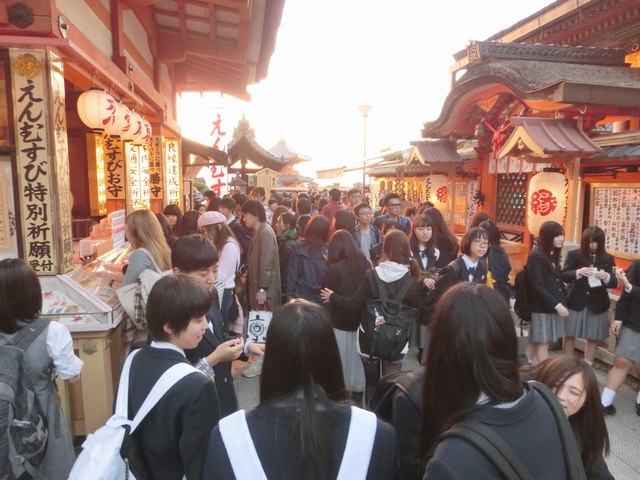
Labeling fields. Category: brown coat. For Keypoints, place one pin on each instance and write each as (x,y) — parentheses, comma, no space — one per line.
(264,267)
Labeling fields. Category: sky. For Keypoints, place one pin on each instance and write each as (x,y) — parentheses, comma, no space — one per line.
(333,55)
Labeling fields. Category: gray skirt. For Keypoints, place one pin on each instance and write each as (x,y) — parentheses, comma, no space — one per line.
(628,344)
(352,368)
(546,327)
(587,325)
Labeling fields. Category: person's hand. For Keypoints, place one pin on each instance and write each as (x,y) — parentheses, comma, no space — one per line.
(261,297)
(615,328)
(325,294)
(600,274)
(585,271)
(562,311)
(256,349)
(226,352)
(621,275)
(430,283)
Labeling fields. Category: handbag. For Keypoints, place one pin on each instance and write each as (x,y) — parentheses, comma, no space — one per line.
(258,324)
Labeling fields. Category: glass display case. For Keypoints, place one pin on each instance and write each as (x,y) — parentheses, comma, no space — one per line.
(85,299)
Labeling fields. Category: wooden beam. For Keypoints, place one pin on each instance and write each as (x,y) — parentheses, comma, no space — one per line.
(175,48)
(117,33)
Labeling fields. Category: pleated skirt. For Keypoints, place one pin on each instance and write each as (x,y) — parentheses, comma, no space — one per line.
(587,325)
(546,327)
(352,368)
(628,344)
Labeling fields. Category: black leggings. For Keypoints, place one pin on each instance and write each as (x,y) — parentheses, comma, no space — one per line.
(372,373)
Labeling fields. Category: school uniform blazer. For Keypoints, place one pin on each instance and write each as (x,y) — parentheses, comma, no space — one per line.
(581,295)
(263,262)
(461,274)
(173,437)
(546,288)
(628,307)
(431,258)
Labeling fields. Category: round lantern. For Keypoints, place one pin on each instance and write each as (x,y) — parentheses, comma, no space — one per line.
(547,200)
(147,130)
(438,190)
(97,109)
(122,125)
(137,128)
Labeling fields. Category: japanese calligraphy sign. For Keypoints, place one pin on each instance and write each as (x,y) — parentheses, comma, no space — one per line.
(615,207)
(97,174)
(5,226)
(172,171)
(137,177)
(547,200)
(114,171)
(438,191)
(155,167)
(42,160)
(219,180)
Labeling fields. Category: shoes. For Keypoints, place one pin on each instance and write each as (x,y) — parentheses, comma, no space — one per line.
(638,409)
(611,410)
(254,369)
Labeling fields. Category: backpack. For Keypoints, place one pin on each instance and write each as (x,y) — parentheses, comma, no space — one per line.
(21,415)
(522,307)
(381,402)
(105,453)
(386,323)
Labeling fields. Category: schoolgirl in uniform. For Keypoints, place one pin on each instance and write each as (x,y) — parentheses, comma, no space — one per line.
(497,260)
(547,293)
(589,271)
(446,241)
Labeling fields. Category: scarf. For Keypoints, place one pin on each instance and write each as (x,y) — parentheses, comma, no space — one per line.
(391,271)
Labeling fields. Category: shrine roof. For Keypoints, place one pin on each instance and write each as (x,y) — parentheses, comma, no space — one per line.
(284,150)
(289,178)
(431,151)
(203,156)
(244,145)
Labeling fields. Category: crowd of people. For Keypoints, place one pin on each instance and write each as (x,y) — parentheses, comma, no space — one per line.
(320,264)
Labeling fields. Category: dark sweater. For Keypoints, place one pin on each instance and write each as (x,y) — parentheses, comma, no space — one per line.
(528,427)
(628,307)
(344,280)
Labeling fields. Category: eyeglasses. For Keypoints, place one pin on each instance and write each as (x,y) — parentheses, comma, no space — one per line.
(481,243)
(393,205)
(365,214)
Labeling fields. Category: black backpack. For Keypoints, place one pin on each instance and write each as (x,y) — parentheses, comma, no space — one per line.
(386,322)
(381,402)
(522,307)
(21,415)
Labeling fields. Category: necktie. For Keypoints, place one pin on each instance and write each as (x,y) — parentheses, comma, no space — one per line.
(472,270)
(423,253)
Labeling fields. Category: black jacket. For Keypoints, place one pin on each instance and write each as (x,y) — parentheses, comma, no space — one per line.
(628,306)
(458,272)
(500,267)
(344,281)
(306,270)
(546,289)
(580,294)
(175,433)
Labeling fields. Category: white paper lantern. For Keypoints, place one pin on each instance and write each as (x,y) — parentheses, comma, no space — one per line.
(146,130)
(122,125)
(137,128)
(97,109)
(547,200)
(439,191)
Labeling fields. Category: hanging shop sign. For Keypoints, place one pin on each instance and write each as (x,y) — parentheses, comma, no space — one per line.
(97,174)
(172,171)
(114,171)
(42,159)
(137,178)
(155,167)
(546,200)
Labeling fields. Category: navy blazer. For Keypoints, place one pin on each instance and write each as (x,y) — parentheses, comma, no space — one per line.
(546,288)
(459,273)
(173,437)
(228,401)
(628,306)
(581,295)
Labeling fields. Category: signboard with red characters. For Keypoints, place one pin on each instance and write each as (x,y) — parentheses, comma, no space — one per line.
(547,200)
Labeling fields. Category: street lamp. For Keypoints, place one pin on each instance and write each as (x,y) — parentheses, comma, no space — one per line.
(365,110)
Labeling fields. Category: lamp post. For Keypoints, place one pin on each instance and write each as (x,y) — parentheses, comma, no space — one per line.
(365,110)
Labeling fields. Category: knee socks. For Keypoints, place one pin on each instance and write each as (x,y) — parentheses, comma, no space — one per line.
(607,396)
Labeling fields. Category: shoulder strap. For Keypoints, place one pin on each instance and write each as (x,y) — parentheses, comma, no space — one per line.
(411,385)
(153,260)
(28,334)
(382,290)
(492,446)
(408,283)
(573,461)
(240,448)
(360,439)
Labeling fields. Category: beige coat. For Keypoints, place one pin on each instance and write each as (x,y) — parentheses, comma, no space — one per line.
(264,267)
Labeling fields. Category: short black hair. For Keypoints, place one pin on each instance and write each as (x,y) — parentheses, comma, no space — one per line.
(303,206)
(209,194)
(334,194)
(474,233)
(391,196)
(228,203)
(193,252)
(259,191)
(360,206)
(255,208)
(175,300)
(352,191)
(20,294)
(272,201)
(239,198)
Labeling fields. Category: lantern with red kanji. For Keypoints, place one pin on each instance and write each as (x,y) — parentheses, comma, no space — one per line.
(97,109)
(138,130)
(547,200)
(438,190)
(122,125)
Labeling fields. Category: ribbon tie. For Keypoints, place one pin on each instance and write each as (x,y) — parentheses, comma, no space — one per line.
(472,270)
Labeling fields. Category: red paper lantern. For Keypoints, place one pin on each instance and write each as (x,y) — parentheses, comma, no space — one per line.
(97,109)
(547,200)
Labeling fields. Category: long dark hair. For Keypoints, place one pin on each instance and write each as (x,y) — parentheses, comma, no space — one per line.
(588,423)
(440,229)
(423,221)
(548,231)
(343,247)
(189,222)
(20,294)
(592,234)
(396,248)
(344,220)
(493,234)
(316,232)
(473,349)
(301,355)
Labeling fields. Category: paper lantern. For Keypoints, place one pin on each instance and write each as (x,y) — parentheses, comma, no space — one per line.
(546,200)
(137,128)
(146,129)
(438,190)
(97,109)
(122,125)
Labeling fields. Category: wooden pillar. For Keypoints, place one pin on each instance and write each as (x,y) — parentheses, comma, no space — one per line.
(575,202)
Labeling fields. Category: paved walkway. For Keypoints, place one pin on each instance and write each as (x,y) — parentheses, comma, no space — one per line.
(624,427)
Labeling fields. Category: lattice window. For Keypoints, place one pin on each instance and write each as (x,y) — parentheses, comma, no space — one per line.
(511,204)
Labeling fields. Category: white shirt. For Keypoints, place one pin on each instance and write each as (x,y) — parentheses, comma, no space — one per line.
(60,349)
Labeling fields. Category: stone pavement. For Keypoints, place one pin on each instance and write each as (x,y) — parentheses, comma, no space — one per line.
(624,427)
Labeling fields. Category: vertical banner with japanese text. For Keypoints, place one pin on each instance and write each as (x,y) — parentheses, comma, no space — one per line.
(114,168)
(155,167)
(172,171)
(97,171)
(42,160)
(136,179)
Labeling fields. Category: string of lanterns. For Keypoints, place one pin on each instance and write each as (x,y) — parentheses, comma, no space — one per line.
(99,111)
